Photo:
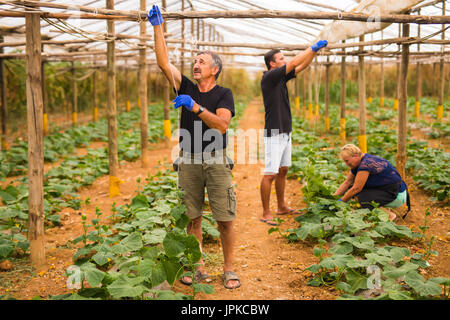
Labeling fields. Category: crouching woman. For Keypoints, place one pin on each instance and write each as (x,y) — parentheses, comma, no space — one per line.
(371,178)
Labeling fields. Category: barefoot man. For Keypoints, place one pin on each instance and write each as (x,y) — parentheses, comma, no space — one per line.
(278,123)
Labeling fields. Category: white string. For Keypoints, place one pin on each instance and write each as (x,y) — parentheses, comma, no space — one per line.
(176,91)
(165,46)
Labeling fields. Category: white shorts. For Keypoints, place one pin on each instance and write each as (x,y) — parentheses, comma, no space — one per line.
(278,151)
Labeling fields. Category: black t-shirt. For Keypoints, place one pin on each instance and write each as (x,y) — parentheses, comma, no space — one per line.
(276,100)
(194,134)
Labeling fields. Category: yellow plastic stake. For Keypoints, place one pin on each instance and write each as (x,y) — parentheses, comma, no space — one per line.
(139,102)
(317,111)
(310,111)
(440,112)
(369,99)
(297,103)
(95,113)
(74,117)
(167,129)
(363,143)
(128,106)
(45,124)
(327,123)
(342,128)
(114,186)
(395,104)
(381,102)
(5,145)
(417,109)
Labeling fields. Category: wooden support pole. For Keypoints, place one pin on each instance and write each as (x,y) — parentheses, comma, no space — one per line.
(310,95)
(44,96)
(402,120)
(370,83)
(316,92)
(94,95)
(127,89)
(397,95)
(166,92)
(327,95)
(382,79)
(133,15)
(304,84)
(74,96)
(418,78)
(114,181)
(297,98)
(440,108)
(143,93)
(362,102)
(35,142)
(4,108)
(342,128)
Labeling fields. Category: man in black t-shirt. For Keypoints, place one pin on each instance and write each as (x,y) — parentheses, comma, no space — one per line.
(205,117)
(278,123)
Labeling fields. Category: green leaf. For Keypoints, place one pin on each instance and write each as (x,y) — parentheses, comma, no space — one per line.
(100,258)
(174,244)
(126,287)
(356,281)
(145,268)
(338,260)
(155,236)
(5,250)
(344,287)
(193,252)
(441,280)
(133,242)
(422,287)
(139,201)
(158,275)
(393,272)
(399,295)
(93,276)
(172,268)
(205,288)
(343,248)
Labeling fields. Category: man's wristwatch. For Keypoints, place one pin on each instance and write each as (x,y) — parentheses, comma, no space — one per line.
(200,110)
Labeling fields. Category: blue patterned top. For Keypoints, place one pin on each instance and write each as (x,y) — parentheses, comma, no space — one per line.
(381,172)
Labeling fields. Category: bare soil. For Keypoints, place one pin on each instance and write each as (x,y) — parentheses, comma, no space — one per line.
(269,267)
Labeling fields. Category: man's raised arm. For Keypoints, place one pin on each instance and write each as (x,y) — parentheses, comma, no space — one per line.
(170,71)
(304,59)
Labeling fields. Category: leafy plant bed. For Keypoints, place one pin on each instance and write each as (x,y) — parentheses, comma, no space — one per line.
(62,183)
(354,246)
(146,246)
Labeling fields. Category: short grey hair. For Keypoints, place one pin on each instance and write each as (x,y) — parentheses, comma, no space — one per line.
(216,60)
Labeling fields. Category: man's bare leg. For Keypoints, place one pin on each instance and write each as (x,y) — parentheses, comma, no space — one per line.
(227,237)
(265,189)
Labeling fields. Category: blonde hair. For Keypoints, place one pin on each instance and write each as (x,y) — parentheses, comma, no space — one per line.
(350,150)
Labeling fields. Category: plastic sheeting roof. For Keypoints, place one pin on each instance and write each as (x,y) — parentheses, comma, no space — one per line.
(261,30)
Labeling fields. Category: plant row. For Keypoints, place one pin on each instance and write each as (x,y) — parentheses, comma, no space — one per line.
(62,183)
(145,247)
(354,245)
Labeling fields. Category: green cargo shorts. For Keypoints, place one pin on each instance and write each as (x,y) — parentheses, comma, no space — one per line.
(214,174)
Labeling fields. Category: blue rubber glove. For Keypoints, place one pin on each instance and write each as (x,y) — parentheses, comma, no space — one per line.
(319,45)
(340,200)
(154,16)
(184,100)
